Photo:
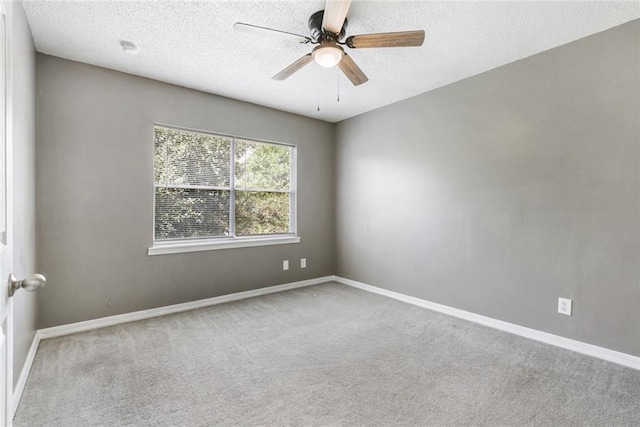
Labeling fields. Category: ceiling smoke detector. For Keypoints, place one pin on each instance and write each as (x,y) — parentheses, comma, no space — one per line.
(129,47)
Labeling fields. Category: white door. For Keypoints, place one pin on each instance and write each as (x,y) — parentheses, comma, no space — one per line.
(6,314)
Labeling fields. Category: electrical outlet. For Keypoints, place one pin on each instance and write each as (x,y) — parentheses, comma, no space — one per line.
(285,264)
(303,263)
(564,306)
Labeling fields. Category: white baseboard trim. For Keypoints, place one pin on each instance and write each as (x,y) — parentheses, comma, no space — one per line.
(24,374)
(103,322)
(556,340)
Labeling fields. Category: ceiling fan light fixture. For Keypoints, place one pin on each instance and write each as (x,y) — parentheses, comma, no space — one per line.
(327,55)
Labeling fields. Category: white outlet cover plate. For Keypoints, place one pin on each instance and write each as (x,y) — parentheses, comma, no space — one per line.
(285,264)
(564,306)
(303,263)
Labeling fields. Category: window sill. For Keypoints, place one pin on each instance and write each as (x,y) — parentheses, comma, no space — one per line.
(211,245)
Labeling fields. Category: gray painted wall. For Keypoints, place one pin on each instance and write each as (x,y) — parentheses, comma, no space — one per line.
(95,194)
(500,193)
(24,179)
(496,194)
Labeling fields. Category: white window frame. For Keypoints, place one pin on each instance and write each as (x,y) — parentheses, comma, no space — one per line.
(165,246)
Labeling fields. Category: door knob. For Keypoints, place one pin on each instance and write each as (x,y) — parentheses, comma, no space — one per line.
(31,283)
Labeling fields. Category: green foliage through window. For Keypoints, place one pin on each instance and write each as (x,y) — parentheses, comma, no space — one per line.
(194,186)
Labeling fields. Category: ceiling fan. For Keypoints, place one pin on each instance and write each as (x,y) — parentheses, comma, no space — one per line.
(327,30)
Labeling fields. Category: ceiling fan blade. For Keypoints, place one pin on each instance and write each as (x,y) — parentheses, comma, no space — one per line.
(352,71)
(293,67)
(335,12)
(264,31)
(399,39)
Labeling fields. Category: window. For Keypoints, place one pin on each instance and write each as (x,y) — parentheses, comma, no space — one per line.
(214,191)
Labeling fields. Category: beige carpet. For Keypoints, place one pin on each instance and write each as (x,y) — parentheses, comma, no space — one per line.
(323,355)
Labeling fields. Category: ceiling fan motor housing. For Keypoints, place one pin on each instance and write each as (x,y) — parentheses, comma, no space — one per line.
(316,32)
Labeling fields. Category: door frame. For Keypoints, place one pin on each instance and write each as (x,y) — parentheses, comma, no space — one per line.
(5,10)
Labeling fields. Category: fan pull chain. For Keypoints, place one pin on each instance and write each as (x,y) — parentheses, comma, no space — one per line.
(318,86)
(338,79)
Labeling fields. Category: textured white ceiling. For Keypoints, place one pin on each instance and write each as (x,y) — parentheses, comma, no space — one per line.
(193,44)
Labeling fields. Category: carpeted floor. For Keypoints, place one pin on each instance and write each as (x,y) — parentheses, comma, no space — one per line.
(322,355)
